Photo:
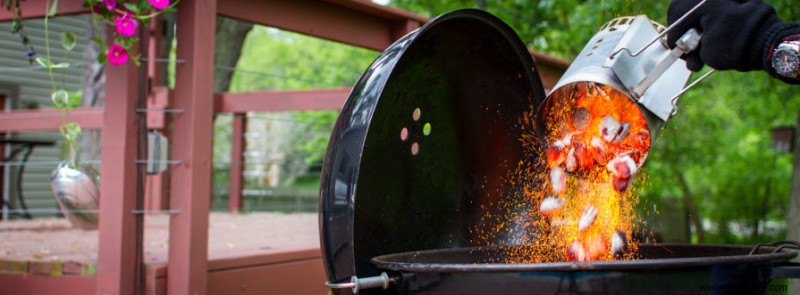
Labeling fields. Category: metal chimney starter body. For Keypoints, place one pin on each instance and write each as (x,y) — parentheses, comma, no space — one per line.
(607,60)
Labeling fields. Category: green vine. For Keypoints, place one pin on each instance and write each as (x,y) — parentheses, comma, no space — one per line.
(18,28)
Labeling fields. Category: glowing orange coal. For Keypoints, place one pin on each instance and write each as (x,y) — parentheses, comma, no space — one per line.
(597,140)
(578,205)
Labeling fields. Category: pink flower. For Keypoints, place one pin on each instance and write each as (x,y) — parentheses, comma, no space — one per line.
(159,4)
(97,9)
(126,26)
(110,4)
(117,54)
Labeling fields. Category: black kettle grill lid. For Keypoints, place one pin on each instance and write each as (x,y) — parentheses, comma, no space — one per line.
(425,141)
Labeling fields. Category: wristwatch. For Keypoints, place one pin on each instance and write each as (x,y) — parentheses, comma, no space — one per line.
(786,58)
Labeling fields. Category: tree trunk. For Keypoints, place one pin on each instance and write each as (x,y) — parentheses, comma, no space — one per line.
(765,206)
(687,220)
(168,28)
(229,42)
(690,208)
(94,82)
(793,217)
(230,36)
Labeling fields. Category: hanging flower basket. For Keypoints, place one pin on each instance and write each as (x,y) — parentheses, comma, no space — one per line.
(77,193)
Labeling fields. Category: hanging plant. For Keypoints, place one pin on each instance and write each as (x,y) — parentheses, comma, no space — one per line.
(124,16)
(76,190)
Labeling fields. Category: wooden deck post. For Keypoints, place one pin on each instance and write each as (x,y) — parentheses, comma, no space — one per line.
(155,185)
(191,143)
(116,262)
(238,145)
(3,169)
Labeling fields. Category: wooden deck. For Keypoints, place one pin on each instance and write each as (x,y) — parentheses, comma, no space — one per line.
(256,253)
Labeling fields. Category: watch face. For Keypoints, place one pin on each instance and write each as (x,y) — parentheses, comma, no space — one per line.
(786,61)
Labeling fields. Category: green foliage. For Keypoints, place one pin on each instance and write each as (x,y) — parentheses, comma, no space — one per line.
(70,131)
(68,40)
(17,27)
(316,128)
(60,98)
(53,8)
(560,28)
(279,60)
(132,7)
(719,142)
(66,100)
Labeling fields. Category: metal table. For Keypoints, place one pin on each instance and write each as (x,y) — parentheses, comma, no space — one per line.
(24,147)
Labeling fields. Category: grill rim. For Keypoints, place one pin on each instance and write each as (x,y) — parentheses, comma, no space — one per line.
(764,255)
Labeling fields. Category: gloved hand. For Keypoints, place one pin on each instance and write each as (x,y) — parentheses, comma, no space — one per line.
(736,35)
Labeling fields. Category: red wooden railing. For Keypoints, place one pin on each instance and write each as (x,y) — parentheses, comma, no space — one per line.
(355,22)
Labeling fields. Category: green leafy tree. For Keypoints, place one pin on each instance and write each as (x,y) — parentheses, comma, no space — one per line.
(278,60)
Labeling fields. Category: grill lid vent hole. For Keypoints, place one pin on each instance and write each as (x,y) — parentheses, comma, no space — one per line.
(426,129)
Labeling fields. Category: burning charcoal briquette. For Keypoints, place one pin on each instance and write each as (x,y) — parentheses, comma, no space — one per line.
(594,89)
(622,169)
(619,243)
(609,128)
(583,156)
(556,154)
(621,184)
(576,252)
(558,179)
(624,128)
(567,140)
(598,149)
(572,162)
(581,118)
(588,217)
(642,139)
(550,205)
(595,247)
(622,166)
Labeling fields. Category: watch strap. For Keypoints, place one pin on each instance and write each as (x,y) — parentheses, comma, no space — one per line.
(790,38)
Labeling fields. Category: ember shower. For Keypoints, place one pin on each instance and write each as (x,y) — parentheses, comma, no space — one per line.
(577,205)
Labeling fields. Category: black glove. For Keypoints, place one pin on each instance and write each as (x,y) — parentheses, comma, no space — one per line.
(736,35)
